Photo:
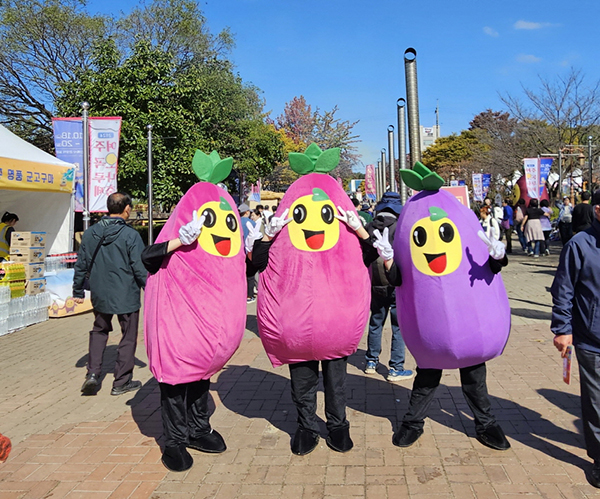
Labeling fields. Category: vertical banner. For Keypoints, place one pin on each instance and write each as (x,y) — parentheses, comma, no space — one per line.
(104,154)
(255,192)
(486,179)
(68,143)
(532,176)
(370,189)
(545,164)
(478,187)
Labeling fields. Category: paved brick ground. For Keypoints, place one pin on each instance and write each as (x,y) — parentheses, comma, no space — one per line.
(66,445)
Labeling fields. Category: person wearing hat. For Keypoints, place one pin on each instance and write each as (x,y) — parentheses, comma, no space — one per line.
(576,321)
(383,297)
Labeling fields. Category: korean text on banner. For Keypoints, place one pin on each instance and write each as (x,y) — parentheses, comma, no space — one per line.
(486,180)
(32,176)
(477,186)
(68,142)
(532,176)
(104,155)
(545,164)
(370,190)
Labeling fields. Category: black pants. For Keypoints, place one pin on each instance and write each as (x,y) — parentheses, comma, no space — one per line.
(508,234)
(184,411)
(250,282)
(474,387)
(125,351)
(589,378)
(566,232)
(305,379)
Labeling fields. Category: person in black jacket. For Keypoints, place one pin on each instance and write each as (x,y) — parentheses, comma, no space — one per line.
(583,214)
(116,275)
(576,321)
(383,297)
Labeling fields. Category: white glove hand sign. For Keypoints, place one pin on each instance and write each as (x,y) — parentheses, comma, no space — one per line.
(349,218)
(382,244)
(190,231)
(254,234)
(277,223)
(495,247)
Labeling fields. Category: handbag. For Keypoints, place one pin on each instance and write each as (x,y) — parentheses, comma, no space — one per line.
(505,224)
(88,272)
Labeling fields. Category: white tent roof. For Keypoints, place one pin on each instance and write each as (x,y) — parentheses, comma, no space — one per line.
(13,147)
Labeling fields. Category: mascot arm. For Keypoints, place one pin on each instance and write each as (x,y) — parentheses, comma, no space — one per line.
(369,252)
(496,265)
(153,256)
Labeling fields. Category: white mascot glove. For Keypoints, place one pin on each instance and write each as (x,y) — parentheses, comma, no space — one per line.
(276,224)
(495,247)
(382,244)
(349,218)
(254,234)
(190,231)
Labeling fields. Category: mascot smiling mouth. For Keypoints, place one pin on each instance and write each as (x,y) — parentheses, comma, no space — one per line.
(223,244)
(314,238)
(437,263)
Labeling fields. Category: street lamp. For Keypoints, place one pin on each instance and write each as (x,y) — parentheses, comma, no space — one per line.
(85,106)
(590,160)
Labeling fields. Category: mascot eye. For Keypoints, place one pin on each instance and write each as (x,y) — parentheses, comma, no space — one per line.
(299,214)
(231,223)
(446,232)
(327,214)
(211,217)
(420,236)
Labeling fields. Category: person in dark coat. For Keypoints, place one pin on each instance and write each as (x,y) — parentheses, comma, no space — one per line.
(383,297)
(583,214)
(576,321)
(116,275)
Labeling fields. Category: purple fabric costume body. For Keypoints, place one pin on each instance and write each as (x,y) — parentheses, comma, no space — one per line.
(448,318)
(313,305)
(195,305)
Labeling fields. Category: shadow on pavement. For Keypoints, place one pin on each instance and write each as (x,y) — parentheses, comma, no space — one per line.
(541,315)
(252,323)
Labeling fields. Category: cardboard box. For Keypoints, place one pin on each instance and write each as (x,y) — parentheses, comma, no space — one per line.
(28,239)
(34,270)
(27,255)
(35,286)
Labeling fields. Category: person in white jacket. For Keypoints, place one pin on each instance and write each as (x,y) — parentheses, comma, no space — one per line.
(489,224)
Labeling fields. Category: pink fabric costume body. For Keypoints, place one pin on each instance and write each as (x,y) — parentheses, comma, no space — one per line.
(456,320)
(313,305)
(195,305)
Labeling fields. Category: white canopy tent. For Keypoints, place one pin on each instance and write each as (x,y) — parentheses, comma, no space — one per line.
(37,187)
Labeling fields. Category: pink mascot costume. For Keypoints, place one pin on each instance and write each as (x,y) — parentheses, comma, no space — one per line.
(195,308)
(313,302)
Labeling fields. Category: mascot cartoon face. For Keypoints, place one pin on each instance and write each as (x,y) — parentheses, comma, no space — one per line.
(220,234)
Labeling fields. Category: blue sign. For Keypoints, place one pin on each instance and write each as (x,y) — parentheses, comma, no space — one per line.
(68,142)
(545,164)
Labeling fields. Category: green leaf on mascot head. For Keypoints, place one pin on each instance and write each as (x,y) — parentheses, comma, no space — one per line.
(211,168)
(314,160)
(436,213)
(412,179)
(421,178)
(224,204)
(328,160)
(319,195)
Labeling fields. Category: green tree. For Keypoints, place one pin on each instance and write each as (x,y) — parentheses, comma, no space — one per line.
(204,106)
(44,43)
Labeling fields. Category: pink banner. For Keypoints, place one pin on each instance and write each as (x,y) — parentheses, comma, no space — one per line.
(370,190)
(104,155)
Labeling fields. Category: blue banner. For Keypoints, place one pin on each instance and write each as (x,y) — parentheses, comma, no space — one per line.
(486,180)
(68,142)
(545,164)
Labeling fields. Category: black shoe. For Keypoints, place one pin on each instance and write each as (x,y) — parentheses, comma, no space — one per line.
(493,437)
(209,442)
(339,439)
(90,385)
(593,475)
(177,458)
(304,441)
(130,386)
(406,436)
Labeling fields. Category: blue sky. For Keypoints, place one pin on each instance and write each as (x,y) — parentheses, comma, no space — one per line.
(350,53)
